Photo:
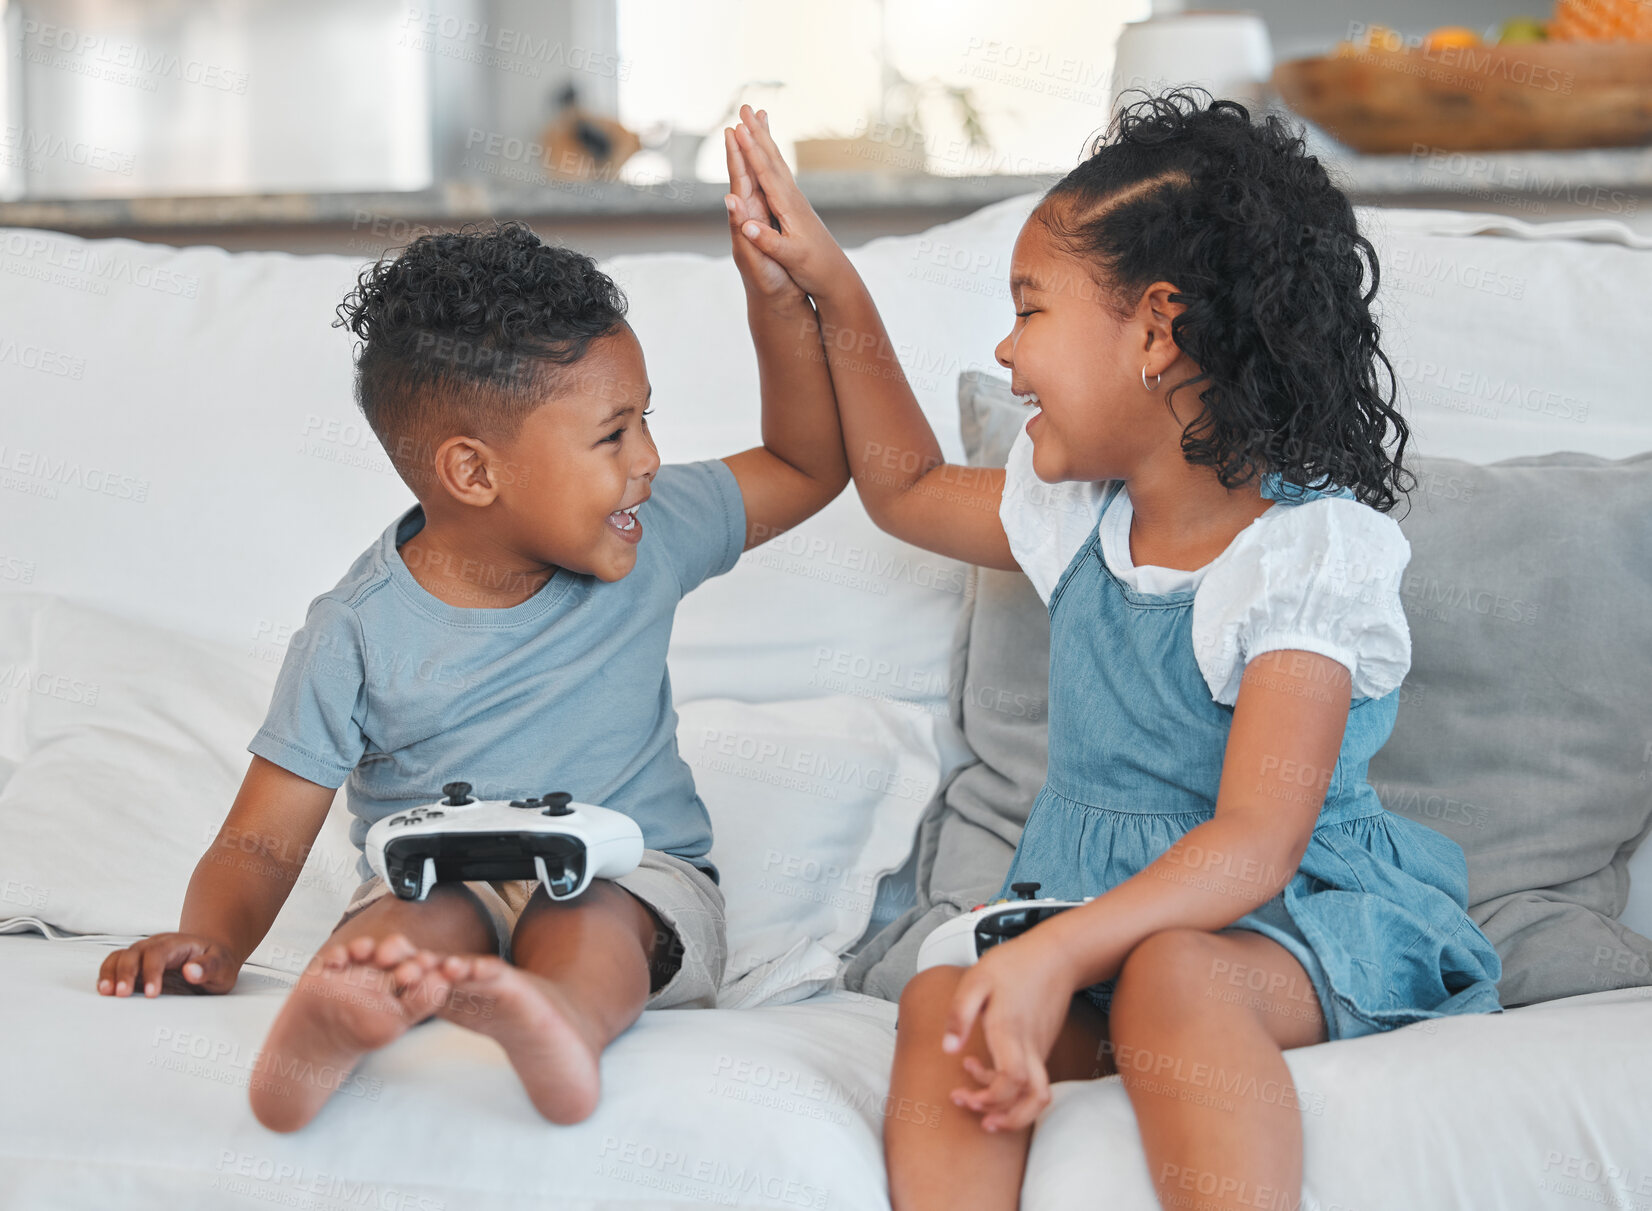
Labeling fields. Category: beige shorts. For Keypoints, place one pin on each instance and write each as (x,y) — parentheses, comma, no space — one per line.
(688,965)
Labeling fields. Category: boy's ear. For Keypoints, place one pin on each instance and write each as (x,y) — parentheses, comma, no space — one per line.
(463,467)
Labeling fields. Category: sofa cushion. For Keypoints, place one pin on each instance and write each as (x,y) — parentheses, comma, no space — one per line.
(1539,1109)
(127,744)
(122,745)
(1522,733)
(812,801)
(779,1107)
(1511,338)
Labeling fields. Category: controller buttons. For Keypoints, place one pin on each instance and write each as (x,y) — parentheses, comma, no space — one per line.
(458,794)
(1026,891)
(434,815)
(525,803)
(556,804)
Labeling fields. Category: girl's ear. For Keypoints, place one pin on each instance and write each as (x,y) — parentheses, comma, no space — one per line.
(1156,311)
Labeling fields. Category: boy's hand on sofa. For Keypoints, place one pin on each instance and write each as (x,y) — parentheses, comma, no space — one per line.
(169,962)
(745,202)
(802,245)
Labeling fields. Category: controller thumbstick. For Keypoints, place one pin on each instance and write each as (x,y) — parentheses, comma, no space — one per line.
(458,794)
(1026,891)
(556,804)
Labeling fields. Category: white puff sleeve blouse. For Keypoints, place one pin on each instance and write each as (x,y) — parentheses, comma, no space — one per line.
(1321,576)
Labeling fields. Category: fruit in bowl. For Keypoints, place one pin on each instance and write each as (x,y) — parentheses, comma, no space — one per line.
(1450,90)
(1517,31)
(1602,21)
(1450,35)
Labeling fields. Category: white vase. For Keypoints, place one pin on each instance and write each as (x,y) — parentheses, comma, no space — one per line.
(1226,52)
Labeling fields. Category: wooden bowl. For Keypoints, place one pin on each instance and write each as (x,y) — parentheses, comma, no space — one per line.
(1476,98)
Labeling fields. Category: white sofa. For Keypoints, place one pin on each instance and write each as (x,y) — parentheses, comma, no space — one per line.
(182,469)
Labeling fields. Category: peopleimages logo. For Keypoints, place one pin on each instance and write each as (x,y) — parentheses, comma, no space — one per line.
(38,357)
(1474,64)
(1494,391)
(50,685)
(243,1173)
(507,43)
(21,145)
(46,473)
(98,264)
(16,569)
(127,62)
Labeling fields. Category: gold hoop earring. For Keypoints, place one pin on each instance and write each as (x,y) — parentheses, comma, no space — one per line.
(1156,379)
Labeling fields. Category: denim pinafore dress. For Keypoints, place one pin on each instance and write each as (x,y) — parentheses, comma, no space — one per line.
(1376,911)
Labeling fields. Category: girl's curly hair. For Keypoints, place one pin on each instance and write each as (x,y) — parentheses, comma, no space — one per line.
(464,331)
(1264,251)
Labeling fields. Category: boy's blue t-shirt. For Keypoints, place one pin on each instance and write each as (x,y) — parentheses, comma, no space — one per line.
(392,690)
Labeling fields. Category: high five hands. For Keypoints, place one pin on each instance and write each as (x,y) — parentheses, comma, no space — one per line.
(1018,993)
(770,212)
(748,207)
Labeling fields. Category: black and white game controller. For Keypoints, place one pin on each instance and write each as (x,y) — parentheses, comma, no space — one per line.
(561,843)
(961,941)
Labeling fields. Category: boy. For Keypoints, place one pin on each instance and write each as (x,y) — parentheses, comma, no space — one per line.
(510,631)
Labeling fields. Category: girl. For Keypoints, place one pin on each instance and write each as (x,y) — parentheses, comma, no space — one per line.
(1200,496)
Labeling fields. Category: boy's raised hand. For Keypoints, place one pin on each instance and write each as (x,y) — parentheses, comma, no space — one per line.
(802,245)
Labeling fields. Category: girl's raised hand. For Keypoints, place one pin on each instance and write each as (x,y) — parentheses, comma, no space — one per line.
(1020,994)
(802,245)
(746,204)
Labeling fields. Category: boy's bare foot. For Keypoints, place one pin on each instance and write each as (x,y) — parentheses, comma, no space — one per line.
(352,999)
(529,1017)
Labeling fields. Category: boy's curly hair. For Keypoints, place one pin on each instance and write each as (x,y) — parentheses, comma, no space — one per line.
(1264,251)
(465,331)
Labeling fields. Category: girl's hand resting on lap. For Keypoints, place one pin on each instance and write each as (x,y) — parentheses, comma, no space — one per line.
(802,244)
(1020,992)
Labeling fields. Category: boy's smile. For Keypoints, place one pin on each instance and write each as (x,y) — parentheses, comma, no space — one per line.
(565,492)
(593,442)
(589,462)
(625,523)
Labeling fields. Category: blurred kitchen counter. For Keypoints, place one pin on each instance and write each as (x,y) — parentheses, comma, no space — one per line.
(608,218)
(601,217)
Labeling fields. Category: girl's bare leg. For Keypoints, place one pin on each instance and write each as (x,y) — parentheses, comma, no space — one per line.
(937,1154)
(1199,1022)
(349,1000)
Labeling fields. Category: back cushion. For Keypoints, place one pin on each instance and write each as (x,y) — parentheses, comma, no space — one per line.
(1524,732)
(181,446)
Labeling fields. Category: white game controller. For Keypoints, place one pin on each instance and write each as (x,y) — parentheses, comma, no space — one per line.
(961,941)
(561,843)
